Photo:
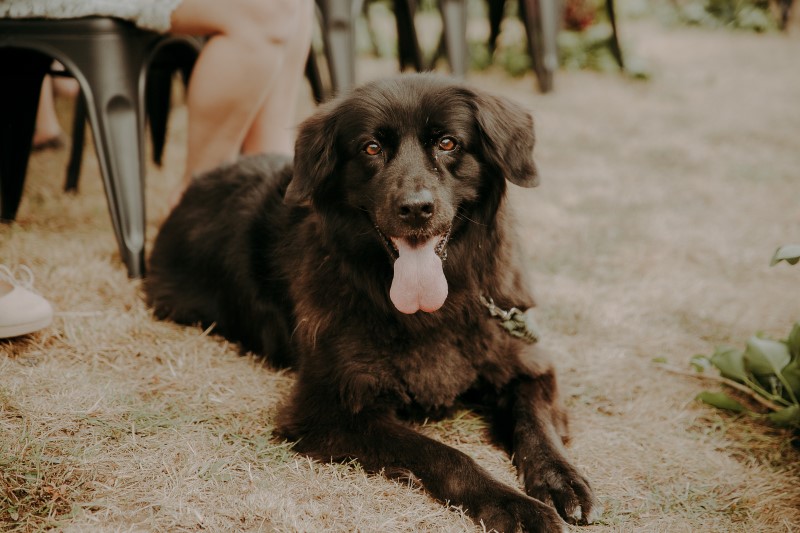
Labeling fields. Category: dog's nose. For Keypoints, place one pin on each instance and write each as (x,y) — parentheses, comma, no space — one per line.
(417,207)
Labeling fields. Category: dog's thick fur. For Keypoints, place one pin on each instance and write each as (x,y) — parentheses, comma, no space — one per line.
(296,263)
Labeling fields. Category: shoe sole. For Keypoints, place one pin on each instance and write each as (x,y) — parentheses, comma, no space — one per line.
(6,332)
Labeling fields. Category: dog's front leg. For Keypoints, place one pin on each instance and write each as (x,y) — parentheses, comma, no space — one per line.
(537,427)
(382,444)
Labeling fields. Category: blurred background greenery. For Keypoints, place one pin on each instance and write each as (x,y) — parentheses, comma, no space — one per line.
(585,38)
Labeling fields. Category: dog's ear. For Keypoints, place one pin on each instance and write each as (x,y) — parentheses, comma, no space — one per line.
(314,157)
(507,132)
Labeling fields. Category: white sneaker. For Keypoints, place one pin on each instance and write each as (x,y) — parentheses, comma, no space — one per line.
(22,311)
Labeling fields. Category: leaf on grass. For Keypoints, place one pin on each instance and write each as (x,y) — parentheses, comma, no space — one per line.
(730,363)
(791,374)
(765,356)
(789,253)
(786,417)
(700,363)
(721,401)
(793,342)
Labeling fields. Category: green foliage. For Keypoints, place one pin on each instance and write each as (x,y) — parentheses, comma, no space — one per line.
(768,368)
(721,400)
(514,58)
(583,42)
(590,48)
(753,15)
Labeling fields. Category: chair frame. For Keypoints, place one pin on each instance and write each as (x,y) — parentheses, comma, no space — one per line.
(110,59)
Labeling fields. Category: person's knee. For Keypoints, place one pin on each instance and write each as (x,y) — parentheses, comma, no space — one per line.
(264,25)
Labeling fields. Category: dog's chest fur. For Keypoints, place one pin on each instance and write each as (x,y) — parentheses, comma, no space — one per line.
(430,370)
(435,375)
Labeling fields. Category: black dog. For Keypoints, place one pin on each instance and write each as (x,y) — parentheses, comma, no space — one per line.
(376,266)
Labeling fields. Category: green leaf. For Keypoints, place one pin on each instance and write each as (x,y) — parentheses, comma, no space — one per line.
(793,342)
(791,375)
(786,417)
(700,363)
(789,253)
(721,401)
(765,356)
(730,363)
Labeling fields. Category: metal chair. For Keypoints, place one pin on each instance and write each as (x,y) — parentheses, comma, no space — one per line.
(542,20)
(110,58)
(124,73)
(454,18)
(339,19)
(453,42)
(172,57)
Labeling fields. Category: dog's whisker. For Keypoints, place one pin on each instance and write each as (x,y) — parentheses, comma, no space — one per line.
(462,216)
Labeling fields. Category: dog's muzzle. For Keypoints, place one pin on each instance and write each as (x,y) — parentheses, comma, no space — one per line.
(391,248)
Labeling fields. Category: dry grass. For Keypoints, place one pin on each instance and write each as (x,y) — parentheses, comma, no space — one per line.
(661,205)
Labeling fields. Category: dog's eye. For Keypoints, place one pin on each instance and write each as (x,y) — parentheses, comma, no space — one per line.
(372,148)
(447,144)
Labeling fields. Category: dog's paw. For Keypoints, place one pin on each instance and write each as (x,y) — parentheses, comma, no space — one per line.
(514,511)
(560,483)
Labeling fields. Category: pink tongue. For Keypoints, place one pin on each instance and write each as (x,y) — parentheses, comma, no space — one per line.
(419,281)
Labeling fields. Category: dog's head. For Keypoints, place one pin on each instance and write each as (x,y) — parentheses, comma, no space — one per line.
(414,157)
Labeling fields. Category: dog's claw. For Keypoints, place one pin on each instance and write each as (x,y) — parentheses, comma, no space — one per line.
(575,514)
(595,513)
(564,487)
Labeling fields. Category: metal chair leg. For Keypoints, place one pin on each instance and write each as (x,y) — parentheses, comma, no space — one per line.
(454,17)
(78,143)
(616,49)
(408,50)
(337,16)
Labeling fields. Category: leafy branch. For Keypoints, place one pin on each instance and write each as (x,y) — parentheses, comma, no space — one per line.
(729,382)
(767,370)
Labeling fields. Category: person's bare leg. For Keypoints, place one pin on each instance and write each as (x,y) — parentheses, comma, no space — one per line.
(64,85)
(273,129)
(48,128)
(234,72)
